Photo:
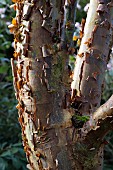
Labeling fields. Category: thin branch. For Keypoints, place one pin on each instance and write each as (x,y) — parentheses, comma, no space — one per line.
(102,123)
(68,22)
(104,111)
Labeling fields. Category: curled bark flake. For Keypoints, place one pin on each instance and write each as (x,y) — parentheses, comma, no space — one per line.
(87,79)
(25,49)
(45,51)
(14,22)
(39,124)
(14,69)
(19,9)
(12,28)
(27,73)
(31,129)
(13,6)
(106,24)
(110,4)
(29,167)
(16,55)
(19,70)
(21,121)
(81,55)
(26,87)
(88,43)
(14,72)
(40,164)
(81,75)
(82,28)
(46,26)
(26,26)
(19,84)
(95,74)
(27,37)
(102,8)
(15,86)
(27,10)
(48,119)
(20,107)
(92,35)
(101,1)
(95,29)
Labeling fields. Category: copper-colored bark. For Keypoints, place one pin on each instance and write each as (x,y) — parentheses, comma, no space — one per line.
(42,83)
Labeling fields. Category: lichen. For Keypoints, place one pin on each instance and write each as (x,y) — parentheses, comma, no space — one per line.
(56,72)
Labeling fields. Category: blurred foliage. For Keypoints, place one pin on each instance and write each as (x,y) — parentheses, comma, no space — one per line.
(12,156)
(81,13)
(107,92)
(108,86)
(108,152)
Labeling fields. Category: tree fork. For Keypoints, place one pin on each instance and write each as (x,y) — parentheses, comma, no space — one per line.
(42,82)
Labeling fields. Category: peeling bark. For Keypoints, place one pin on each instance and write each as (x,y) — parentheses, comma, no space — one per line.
(92,57)
(43,33)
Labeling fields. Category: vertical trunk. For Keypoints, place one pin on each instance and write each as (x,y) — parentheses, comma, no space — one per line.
(43,32)
(41,83)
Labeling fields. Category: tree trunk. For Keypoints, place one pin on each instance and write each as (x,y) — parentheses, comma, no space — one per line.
(53,136)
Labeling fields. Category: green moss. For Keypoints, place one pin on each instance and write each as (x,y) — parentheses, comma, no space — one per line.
(88,158)
(57,71)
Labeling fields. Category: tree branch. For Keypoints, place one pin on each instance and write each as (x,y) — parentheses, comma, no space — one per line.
(101,123)
(68,22)
(92,58)
(104,111)
(86,70)
(102,119)
(92,143)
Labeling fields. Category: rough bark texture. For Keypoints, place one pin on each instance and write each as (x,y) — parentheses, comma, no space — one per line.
(92,57)
(43,33)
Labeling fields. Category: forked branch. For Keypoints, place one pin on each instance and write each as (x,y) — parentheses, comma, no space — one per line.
(101,123)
